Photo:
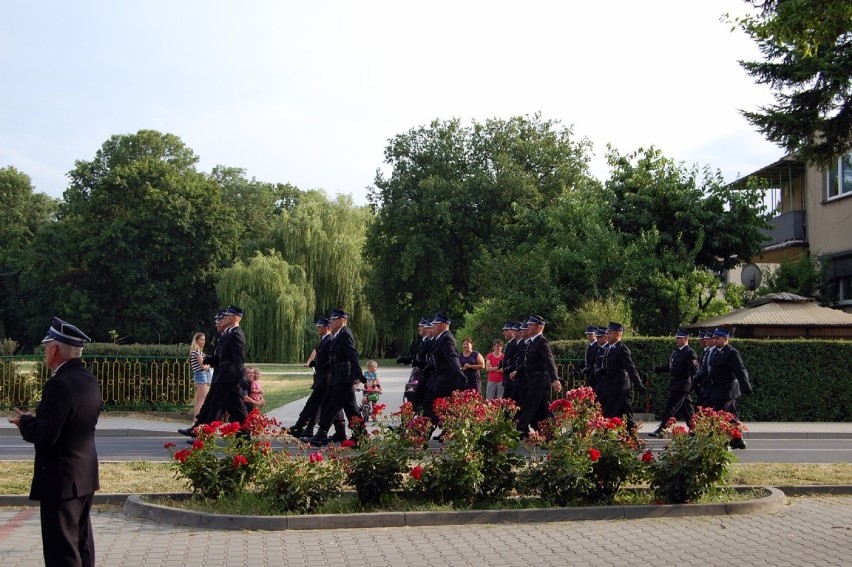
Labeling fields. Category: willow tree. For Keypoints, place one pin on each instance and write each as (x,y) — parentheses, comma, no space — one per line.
(326,238)
(278,301)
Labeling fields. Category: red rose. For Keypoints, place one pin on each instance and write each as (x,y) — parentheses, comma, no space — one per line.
(616,420)
(181,455)
(594,454)
(239,461)
(197,444)
(647,456)
(417,472)
(315,457)
(168,445)
(348,444)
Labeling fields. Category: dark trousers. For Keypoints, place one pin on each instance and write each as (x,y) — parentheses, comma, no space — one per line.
(536,403)
(311,412)
(227,397)
(678,405)
(66,533)
(618,405)
(340,396)
(726,404)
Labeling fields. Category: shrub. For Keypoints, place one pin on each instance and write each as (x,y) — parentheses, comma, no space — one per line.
(694,461)
(478,458)
(378,464)
(299,484)
(588,457)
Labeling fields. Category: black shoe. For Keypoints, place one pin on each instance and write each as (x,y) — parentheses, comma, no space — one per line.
(738,443)
(656,434)
(338,438)
(295,432)
(319,441)
(188,432)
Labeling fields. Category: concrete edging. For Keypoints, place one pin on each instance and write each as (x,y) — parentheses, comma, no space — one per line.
(135,506)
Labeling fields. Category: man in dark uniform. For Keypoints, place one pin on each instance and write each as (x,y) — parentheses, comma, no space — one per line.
(423,361)
(448,375)
(540,367)
(65,472)
(620,374)
(345,369)
(318,360)
(410,394)
(519,374)
(226,388)
(728,378)
(509,350)
(682,366)
(591,355)
(599,369)
(700,382)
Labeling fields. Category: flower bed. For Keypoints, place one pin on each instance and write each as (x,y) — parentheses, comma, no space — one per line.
(578,458)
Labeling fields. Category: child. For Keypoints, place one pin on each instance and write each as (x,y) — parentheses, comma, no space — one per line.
(254,397)
(372,386)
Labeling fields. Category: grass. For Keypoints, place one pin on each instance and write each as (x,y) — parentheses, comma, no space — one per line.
(151,477)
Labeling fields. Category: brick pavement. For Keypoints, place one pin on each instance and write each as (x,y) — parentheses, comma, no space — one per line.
(809,531)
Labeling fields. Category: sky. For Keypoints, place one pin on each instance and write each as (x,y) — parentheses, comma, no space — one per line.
(309,93)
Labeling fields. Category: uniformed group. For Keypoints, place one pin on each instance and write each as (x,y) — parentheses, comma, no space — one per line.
(719,378)
(332,399)
(528,365)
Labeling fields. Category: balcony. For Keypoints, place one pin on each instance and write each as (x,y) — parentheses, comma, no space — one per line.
(787,229)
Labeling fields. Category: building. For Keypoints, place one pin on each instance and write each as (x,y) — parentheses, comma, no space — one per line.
(783,316)
(813,215)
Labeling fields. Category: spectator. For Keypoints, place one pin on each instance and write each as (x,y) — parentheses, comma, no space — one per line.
(200,371)
(471,364)
(253,397)
(494,387)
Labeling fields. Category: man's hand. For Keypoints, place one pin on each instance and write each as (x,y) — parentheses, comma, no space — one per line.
(557,385)
(16,418)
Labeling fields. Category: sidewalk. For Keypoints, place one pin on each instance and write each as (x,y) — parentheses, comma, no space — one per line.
(393,384)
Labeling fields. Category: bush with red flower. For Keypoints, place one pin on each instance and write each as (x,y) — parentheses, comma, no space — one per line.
(478,460)
(694,462)
(300,484)
(581,456)
(222,460)
(377,463)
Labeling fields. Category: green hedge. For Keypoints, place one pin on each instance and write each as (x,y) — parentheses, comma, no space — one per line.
(794,380)
(112,349)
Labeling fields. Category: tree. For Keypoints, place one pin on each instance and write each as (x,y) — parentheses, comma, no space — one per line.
(452,202)
(22,214)
(257,205)
(679,226)
(139,238)
(806,275)
(278,301)
(807,45)
(326,239)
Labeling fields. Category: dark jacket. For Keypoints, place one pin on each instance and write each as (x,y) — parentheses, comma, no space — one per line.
(322,367)
(682,366)
(63,432)
(620,370)
(448,374)
(229,358)
(728,376)
(539,359)
(343,357)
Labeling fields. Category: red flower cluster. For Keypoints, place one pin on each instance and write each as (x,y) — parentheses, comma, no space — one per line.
(647,456)
(594,454)
(239,461)
(417,472)
(377,410)
(418,430)
(348,444)
(230,429)
(198,444)
(258,424)
(315,457)
(168,445)
(562,406)
(181,455)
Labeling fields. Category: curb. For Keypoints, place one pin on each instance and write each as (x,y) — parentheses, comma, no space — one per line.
(134,506)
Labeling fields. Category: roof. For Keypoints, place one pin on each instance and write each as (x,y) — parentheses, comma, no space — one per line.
(779,171)
(780,310)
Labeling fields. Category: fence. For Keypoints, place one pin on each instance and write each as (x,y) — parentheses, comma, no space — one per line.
(127,382)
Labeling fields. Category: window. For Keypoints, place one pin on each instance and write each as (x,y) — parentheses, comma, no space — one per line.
(844,290)
(840,178)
